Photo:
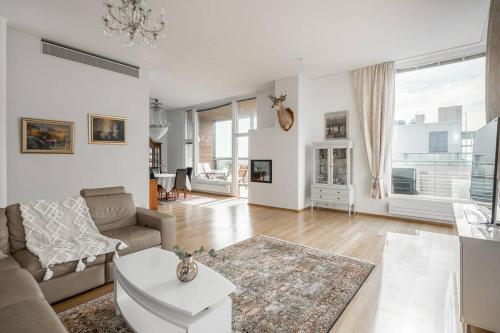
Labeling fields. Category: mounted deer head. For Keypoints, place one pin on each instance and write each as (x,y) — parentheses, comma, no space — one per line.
(285,115)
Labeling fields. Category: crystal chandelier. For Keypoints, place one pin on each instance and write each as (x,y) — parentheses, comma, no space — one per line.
(158,127)
(131,20)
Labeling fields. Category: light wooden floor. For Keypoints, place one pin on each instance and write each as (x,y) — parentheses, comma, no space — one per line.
(412,288)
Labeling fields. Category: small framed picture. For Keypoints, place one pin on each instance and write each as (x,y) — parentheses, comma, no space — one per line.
(336,125)
(41,136)
(107,129)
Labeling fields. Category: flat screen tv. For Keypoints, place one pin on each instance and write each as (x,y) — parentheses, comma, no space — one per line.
(484,175)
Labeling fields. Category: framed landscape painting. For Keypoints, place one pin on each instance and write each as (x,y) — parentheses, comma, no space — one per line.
(336,124)
(107,129)
(41,136)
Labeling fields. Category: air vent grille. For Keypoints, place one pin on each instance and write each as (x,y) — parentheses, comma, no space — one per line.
(69,53)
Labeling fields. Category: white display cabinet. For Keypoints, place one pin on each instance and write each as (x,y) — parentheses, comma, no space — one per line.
(332,174)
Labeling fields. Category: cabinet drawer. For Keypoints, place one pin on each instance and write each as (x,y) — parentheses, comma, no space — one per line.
(330,192)
(330,199)
(331,195)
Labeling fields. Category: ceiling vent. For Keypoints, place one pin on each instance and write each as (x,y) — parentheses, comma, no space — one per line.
(69,53)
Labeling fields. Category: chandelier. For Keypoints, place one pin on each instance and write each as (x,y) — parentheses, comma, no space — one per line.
(131,20)
(158,127)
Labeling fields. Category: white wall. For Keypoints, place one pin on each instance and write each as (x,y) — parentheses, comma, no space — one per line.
(282,148)
(3,112)
(176,139)
(47,87)
(291,151)
(336,93)
(305,140)
(266,115)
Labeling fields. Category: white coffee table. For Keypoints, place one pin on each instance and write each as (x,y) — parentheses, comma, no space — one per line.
(151,299)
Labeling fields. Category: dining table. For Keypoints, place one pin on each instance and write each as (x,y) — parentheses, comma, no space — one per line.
(167,181)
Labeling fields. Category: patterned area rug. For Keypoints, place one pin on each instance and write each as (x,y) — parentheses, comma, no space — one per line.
(281,287)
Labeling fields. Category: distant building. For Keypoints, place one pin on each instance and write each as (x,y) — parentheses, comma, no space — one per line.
(450,113)
(419,118)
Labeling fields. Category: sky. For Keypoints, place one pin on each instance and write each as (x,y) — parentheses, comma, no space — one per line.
(423,91)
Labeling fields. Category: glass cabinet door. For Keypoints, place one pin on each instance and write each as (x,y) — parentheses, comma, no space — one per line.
(339,166)
(321,166)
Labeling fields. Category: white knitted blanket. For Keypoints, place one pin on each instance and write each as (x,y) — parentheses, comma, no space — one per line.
(59,231)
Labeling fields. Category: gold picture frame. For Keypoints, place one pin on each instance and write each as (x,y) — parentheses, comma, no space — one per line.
(43,136)
(110,130)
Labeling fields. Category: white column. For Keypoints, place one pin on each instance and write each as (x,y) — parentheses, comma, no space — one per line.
(3,111)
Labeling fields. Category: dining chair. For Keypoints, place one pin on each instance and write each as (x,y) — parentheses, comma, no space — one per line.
(242,173)
(180,182)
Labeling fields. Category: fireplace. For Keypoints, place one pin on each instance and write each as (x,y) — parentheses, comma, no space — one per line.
(261,171)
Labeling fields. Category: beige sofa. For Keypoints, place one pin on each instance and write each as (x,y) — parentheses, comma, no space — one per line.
(24,296)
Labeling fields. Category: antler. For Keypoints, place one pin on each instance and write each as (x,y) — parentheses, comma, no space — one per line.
(282,97)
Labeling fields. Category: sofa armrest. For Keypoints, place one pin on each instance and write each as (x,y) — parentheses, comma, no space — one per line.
(162,222)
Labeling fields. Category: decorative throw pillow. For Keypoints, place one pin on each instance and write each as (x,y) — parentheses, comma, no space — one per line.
(2,255)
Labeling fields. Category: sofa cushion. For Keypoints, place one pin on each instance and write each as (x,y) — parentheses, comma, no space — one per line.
(111,211)
(34,315)
(17,239)
(30,262)
(8,264)
(136,237)
(4,233)
(17,286)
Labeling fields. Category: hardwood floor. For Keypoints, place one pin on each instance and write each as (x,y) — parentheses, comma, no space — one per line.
(412,289)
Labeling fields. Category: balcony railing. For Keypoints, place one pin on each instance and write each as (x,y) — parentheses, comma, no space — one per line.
(443,178)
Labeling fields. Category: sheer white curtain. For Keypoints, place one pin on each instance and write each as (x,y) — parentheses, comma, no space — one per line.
(374,91)
(493,62)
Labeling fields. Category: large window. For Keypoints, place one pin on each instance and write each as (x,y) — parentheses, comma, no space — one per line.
(437,110)
(215,139)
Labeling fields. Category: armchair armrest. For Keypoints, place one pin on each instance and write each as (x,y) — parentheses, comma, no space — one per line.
(162,222)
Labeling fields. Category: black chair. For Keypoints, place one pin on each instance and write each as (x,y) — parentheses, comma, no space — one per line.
(180,182)
(189,173)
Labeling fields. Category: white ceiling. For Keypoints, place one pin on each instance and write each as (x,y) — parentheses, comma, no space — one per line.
(221,48)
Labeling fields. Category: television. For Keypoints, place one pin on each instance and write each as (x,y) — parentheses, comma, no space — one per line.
(484,174)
